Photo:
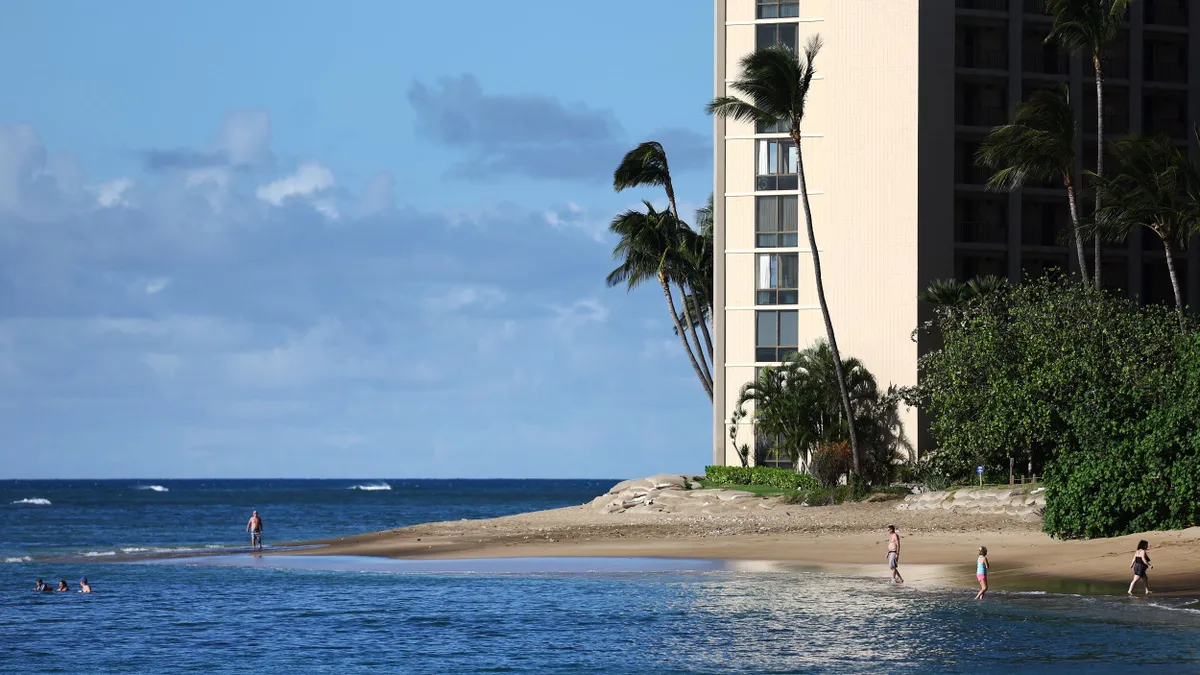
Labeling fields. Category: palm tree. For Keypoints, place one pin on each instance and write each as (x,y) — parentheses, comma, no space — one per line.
(1089,26)
(800,401)
(956,294)
(775,83)
(648,249)
(1153,186)
(1038,145)
(647,165)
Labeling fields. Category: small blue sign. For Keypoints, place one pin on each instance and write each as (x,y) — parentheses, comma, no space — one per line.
(979,470)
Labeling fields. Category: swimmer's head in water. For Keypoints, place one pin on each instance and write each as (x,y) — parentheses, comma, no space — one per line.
(83,580)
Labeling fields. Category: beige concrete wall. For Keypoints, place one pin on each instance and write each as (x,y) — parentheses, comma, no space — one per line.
(860,156)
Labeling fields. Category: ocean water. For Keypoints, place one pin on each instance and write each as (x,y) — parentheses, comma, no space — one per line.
(234,613)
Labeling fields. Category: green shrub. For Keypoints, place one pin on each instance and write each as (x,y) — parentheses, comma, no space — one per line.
(1101,395)
(819,496)
(784,479)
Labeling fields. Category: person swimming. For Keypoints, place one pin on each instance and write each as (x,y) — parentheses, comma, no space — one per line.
(62,586)
(41,587)
(83,586)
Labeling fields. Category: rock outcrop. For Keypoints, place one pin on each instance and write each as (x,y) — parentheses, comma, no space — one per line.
(674,493)
(1026,504)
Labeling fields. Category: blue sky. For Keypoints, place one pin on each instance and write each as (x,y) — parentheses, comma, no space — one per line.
(319,239)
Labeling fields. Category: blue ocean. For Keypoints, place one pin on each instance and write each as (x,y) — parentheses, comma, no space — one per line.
(236,613)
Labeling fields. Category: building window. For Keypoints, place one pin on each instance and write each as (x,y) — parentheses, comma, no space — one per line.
(776,222)
(776,334)
(777,162)
(779,127)
(980,220)
(778,277)
(971,264)
(778,9)
(771,34)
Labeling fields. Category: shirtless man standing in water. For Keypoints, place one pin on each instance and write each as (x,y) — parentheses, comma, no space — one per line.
(893,555)
(254,527)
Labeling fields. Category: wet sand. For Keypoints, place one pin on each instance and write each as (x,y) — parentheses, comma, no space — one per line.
(938,548)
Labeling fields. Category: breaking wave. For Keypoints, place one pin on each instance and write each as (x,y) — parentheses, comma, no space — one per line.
(371,487)
(153,488)
(33,500)
(21,559)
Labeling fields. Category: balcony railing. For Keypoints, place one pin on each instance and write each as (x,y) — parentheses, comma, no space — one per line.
(1172,128)
(1166,71)
(988,5)
(1167,13)
(987,59)
(966,173)
(1113,66)
(1039,62)
(1035,7)
(980,232)
(1115,121)
(979,115)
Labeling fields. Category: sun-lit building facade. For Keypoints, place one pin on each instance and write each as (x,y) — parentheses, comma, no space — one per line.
(905,91)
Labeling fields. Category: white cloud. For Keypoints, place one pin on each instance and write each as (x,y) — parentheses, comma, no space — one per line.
(156,285)
(308,180)
(580,313)
(112,193)
(244,138)
(574,217)
(459,297)
(378,195)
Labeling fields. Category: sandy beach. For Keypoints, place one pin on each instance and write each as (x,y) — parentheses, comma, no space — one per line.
(938,547)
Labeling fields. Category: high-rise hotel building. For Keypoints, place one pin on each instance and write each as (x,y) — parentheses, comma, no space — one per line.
(905,91)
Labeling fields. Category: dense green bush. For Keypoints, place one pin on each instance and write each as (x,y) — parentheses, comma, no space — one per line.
(1102,396)
(784,479)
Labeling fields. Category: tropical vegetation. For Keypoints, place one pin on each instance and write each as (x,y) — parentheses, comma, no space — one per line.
(1096,393)
(773,91)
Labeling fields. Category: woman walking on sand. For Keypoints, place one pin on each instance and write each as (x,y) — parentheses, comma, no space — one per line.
(981,570)
(1141,562)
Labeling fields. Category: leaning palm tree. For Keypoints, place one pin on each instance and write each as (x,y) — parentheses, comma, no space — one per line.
(1089,26)
(1150,188)
(646,165)
(1039,144)
(775,83)
(648,248)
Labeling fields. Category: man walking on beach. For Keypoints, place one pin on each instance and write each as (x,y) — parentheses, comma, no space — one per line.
(893,554)
(254,527)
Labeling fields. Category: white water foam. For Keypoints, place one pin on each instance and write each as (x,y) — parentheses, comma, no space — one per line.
(98,554)
(22,559)
(33,500)
(371,487)
(154,488)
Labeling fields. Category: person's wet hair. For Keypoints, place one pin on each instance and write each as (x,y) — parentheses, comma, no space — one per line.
(982,550)
(1143,545)
(891,528)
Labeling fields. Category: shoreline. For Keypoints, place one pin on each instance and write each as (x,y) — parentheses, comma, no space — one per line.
(939,547)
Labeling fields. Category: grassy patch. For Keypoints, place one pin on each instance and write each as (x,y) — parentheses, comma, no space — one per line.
(760,490)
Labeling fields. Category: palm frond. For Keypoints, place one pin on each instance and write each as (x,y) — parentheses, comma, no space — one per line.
(644,165)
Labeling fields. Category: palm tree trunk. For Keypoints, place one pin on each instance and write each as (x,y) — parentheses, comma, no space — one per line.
(816,258)
(1174,281)
(670,190)
(691,321)
(1099,157)
(703,326)
(1075,224)
(704,381)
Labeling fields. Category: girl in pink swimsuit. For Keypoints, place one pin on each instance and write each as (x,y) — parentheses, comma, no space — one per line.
(981,570)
